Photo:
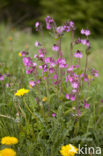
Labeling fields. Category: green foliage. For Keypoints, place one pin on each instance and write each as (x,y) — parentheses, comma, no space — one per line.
(85,13)
(44,135)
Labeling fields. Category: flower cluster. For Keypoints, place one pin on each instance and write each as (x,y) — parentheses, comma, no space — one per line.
(69,78)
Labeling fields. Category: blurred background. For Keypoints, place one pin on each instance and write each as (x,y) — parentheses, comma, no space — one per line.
(24,13)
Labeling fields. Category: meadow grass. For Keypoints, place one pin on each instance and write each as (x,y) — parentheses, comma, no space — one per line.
(11,43)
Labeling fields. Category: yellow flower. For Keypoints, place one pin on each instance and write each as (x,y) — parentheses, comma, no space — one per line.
(68,150)
(21,92)
(44,99)
(9,140)
(7,152)
(19,54)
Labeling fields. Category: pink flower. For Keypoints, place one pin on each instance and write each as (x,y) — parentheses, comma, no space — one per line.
(60,30)
(31,83)
(55,47)
(1,77)
(55,77)
(37,25)
(49,22)
(35,55)
(72,97)
(47,60)
(53,114)
(75,85)
(50,70)
(86,105)
(67,96)
(78,54)
(87,32)
(37,44)
(29,71)
(7,85)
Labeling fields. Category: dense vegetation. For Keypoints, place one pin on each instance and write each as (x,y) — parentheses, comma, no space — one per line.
(46,117)
(85,13)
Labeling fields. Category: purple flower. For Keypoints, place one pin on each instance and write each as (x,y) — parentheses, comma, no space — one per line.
(38,81)
(27,61)
(53,115)
(60,30)
(50,70)
(82,31)
(66,28)
(75,85)
(1,77)
(35,55)
(70,69)
(31,83)
(29,71)
(47,60)
(7,85)
(72,97)
(55,77)
(49,22)
(78,54)
(37,25)
(55,47)
(86,105)
(85,32)
(37,44)
(67,96)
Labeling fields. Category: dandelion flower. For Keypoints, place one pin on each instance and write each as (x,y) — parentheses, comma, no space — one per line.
(44,99)
(21,92)
(19,54)
(7,152)
(9,140)
(68,150)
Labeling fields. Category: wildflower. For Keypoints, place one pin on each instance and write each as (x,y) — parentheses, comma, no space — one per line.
(55,77)
(85,32)
(7,152)
(31,83)
(37,25)
(68,150)
(49,21)
(27,61)
(37,44)
(9,140)
(60,30)
(50,70)
(86,105)
(29,71)
(78,54)
(72,97)
(67,96)
(44,99)
(1,77)
(75,85)
(55,47)
(53,114)
(21,92)
(19,54)
(22,53)
(7,85)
